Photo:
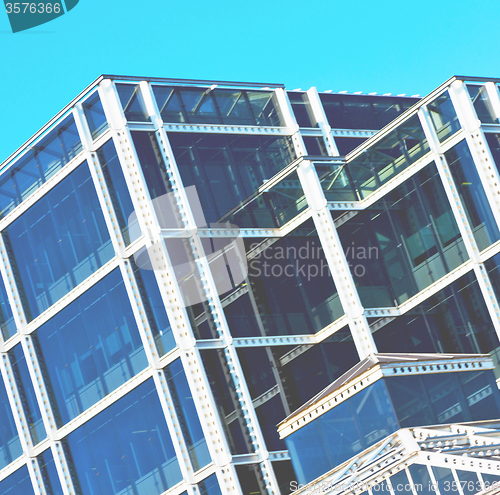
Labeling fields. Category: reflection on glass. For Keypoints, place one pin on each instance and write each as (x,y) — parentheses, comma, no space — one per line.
(443,116)
(302,109)
(336,182)
(315,146)
(7,323)
(132,103)
(388,157)
(233,419)
(27,394)
(94,113)
(58,242)
(442,398)
(363,111)
(210,486)
(290,283)
(226,169)
(347,144)
(17,483)
(412,236)
(155,309)
(117,187)
(125,449)
(306,370)
(49,473)
(217,106)
(270,208)
(286,475)
(269,415)
(342,432)
(10,446)
(473,196)
(90,348)
(249,477)
(187,414)
(40,163)
(482,105)
(455,320)
(400,483)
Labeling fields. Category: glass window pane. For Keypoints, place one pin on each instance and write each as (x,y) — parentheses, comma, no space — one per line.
(469,482)
(187,414)
(347,144)
(10,446)
(132,103)
(421,479)
(269,415)
(302,109)
(388,157)
(90,348)
(27,394)
(155,309)
(226,169)
(120,196)
(472,194)
(286,477)
(410,402)
(306,370)
(49,473)
(234,107)
(363,111)
(455,320)
(48,156)
(250,477)
(292,285)
(125,449)
(7,323)
(413,234)
(443,116)
(199,105)
(230,412)
(58,242)
(18,483)
(482,105)
(264,108)
(400,484)
(210,486)
(94,113)
(315,146)
(169,104)
(445,480)
(272,208)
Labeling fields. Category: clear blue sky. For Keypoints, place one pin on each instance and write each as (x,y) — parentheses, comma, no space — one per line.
(386,46)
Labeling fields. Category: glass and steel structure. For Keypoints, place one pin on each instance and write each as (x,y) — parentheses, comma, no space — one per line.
(185,263)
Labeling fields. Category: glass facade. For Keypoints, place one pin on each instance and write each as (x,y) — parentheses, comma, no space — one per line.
(383,407)
(230,363)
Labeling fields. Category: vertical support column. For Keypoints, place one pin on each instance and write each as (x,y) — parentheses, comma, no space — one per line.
(485,165)
(321,119)
(35,373)
(336,260)
(461,218)
(219,319)
(330,241)
(170,293)
(21,424)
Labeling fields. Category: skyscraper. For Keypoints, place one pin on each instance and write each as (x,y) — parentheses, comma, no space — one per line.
(186,263)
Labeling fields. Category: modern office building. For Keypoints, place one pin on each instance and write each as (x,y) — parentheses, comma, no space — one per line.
(185,264)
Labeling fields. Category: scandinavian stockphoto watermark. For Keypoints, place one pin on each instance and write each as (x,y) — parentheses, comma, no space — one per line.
(26,15)
(220,249)
(439,487)
(306,260)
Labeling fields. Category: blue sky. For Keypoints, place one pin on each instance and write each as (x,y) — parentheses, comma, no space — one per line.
(388,47)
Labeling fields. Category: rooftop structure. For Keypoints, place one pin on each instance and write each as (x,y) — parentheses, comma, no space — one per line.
(185,263)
